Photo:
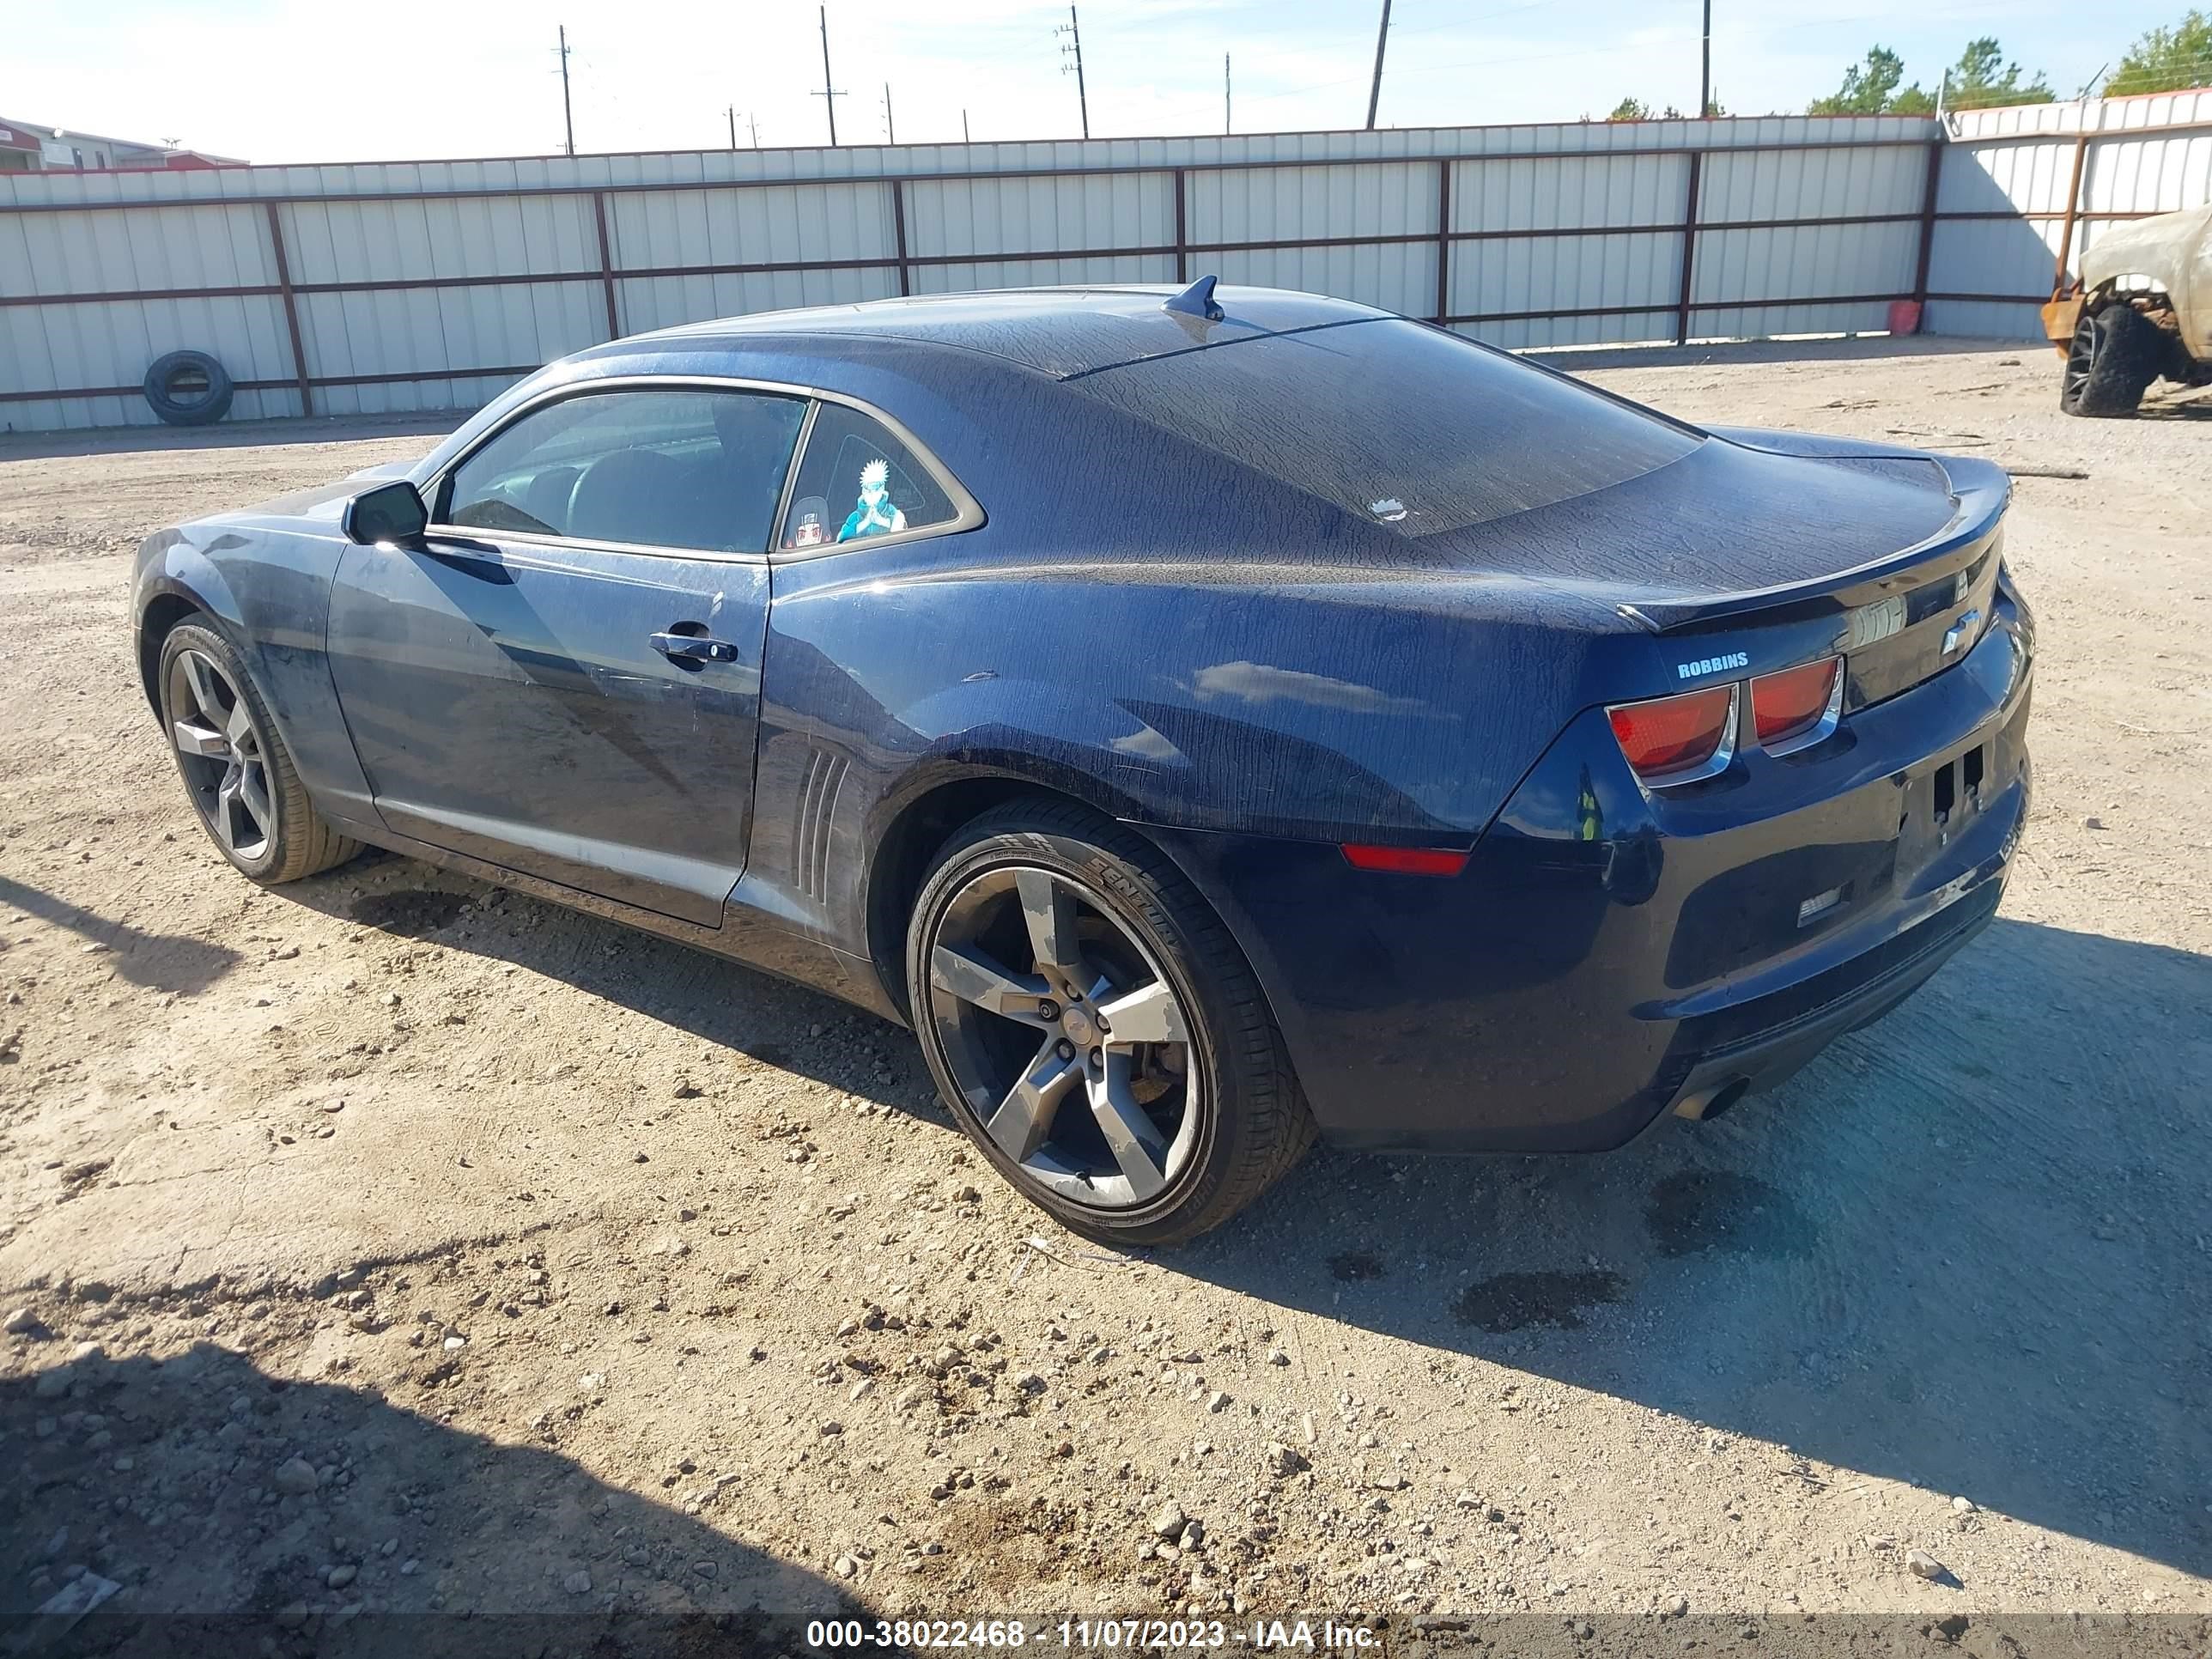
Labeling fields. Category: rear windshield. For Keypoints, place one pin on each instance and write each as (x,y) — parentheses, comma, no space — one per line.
(1401,424)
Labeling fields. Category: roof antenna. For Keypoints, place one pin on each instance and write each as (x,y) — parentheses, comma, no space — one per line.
(1197,301)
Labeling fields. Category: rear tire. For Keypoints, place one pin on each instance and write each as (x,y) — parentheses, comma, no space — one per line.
(1208,1088)
(2116,354)
(237,771)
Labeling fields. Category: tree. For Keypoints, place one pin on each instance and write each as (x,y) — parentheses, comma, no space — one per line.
(2166,60)
(1874,87)
(1983,80)
(1635,109)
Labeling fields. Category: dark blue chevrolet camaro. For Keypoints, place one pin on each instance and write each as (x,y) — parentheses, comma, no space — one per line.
(1209,719)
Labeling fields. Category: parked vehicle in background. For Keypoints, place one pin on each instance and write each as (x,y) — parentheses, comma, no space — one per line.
(2141,309)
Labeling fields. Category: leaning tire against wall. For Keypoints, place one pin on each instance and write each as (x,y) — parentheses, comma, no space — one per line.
(188,388)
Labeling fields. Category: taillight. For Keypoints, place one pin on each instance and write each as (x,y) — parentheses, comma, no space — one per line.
(1797,707)
(1678,739)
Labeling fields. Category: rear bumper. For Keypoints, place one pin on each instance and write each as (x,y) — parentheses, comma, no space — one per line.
(1783,1040)
(1606,957)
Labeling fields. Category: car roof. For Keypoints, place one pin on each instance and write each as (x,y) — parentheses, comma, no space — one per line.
(1059,331)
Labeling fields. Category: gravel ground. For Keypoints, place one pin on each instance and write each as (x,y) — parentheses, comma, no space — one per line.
(389,1243)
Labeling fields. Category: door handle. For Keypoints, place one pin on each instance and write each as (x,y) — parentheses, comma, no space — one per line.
(693,648)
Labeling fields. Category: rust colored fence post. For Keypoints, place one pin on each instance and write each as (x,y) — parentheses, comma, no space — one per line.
(1689,249)
(1929,192)
(898,229)
(291,310)
(1444,240)
(1183,238)
(2073,213)
(606,263)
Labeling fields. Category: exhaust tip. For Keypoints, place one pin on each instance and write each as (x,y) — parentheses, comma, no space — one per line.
(1707,1103)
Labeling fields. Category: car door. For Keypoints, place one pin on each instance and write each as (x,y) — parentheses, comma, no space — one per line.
(564,679)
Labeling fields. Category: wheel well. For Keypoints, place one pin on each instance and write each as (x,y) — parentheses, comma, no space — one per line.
(910,846)
(164,613)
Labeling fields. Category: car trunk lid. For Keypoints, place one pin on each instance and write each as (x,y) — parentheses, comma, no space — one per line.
(1765,548)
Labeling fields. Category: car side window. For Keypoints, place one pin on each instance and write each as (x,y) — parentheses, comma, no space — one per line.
(856,480)
(691,469)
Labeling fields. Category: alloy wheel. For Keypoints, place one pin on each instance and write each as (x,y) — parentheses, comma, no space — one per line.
(219,750)
(1068,1043)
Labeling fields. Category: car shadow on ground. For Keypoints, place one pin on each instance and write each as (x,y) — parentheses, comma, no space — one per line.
(1967,1248)
(235,1509)
(161,962)
(719,1001)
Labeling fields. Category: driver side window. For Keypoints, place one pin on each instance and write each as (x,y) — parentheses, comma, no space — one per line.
(689,469)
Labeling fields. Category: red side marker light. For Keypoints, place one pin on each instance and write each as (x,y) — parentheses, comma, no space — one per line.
(1405,860)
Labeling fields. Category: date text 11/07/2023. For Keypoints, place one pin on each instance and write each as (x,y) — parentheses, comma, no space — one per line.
(1089,1635)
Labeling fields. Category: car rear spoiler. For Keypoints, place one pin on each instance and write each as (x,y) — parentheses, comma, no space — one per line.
(1979,490)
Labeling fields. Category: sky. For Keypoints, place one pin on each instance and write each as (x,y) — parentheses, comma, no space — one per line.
(313,80)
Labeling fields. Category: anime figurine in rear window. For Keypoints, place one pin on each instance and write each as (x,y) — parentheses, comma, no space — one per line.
(875,515)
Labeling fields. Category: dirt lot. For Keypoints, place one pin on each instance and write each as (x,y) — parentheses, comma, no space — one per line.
(388,1243)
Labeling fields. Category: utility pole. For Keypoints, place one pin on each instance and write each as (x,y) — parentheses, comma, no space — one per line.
(732,113)
(1705,79)
(567,120)
(1074,30)
(829,94)
(963,128)
(890,132)
(1374,92)
(753,122)
(1225,126)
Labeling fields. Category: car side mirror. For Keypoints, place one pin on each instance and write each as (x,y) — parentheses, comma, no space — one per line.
(392,513)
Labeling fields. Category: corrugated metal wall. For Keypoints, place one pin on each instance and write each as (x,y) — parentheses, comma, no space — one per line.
(2007,173)
(431,285)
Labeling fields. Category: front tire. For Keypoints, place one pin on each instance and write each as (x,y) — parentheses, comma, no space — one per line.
(1095,1029)
(2116,354)
(237,772)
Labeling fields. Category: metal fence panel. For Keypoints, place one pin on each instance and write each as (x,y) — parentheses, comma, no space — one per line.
(1556,276)
(824,224)
(1836,181)
(412,284)
(967,277)
(649,302)
(1007,216)
(1541,194)
(2047,179)
(53,348)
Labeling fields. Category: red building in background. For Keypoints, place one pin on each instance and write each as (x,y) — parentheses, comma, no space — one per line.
(30,147)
